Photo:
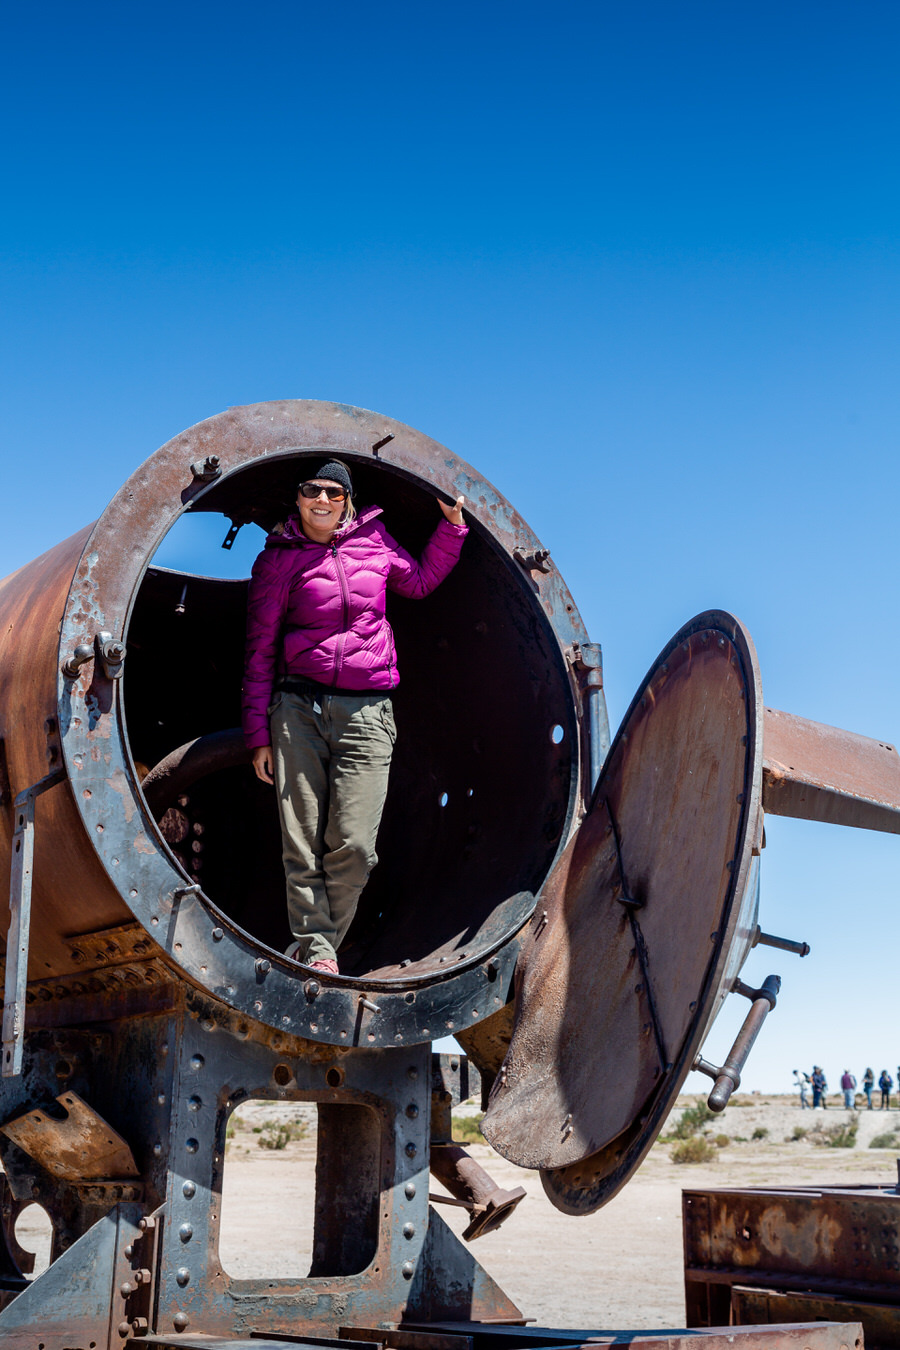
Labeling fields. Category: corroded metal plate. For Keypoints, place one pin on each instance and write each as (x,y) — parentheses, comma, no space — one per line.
(641,925)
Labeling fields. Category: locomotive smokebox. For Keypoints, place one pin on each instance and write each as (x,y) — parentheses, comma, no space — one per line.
(121,698)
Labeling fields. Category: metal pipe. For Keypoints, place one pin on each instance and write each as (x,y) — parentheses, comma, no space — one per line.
(728,1077)
(488,1204)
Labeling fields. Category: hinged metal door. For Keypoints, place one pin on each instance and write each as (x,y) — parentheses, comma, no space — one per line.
(642,925)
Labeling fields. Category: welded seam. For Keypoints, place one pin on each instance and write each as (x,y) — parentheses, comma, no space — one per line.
(639,942)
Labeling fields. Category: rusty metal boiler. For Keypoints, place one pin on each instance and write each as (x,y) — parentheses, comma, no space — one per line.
(574,912)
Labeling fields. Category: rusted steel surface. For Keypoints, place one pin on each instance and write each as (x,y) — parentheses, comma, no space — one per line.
(817,772)
(831,1252)
(32,720)
(757,1307)
(482,795)
(79,1147)
(820,1337)
(642,924)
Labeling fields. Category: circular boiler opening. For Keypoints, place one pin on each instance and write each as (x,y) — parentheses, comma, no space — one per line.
(480,792)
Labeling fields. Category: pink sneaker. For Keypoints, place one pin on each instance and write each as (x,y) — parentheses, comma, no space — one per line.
(327,967)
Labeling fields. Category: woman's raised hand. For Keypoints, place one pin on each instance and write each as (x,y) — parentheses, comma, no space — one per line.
(454,512)
(263,763)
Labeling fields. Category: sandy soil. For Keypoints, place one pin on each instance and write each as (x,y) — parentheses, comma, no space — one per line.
(621,1267)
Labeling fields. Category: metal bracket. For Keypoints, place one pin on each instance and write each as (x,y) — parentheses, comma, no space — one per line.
(20,924)
(234,531)
(728,1077)
(109,651)
(532,562)
(587,658)
(208,471)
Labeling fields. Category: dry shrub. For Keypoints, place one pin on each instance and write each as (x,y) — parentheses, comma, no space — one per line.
(694,1150)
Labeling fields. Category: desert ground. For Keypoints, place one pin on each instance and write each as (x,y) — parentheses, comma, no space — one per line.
(618,1268)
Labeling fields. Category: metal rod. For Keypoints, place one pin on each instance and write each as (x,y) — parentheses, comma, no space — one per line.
(783,944)
(728,1077)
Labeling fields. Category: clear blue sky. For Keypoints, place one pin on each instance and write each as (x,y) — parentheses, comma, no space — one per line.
(638,263)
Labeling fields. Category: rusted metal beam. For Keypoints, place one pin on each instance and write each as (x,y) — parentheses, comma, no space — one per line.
(816,772)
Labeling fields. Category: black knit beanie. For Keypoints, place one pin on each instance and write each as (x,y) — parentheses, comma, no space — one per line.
(333,472)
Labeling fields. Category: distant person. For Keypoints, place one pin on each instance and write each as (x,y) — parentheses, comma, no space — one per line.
(848,1087)
(801,1080)
(819,1088)
(868,1085)
(885,1082)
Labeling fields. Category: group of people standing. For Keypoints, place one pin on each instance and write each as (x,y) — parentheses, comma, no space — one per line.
(815,1083)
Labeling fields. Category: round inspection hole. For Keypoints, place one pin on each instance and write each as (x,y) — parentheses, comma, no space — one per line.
(282,1074)
(443,799)
(334,1077)
(556,733)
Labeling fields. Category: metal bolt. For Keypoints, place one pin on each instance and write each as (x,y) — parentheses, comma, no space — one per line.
(367,1003)
(147,1224)
(263,966)
(312,989)
(142,1277)
(217,935)
(140,1324)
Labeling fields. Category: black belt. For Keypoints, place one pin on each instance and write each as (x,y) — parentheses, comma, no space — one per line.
(289,684)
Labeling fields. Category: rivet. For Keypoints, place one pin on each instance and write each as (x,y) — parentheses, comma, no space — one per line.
(409,1230)
(197,1061)
(191,1145)
(412,1073)
(412,1110)
(180,1321)
(263,966)
(182,1276)
(129,1251)
(194,1103)
(124,1329)
(185,1232)
(126,1289)
(409,1190)
(411,1150)
(407,1270)
(189,1190)
(217,935)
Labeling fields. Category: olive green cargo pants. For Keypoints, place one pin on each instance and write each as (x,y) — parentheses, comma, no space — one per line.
(332,759)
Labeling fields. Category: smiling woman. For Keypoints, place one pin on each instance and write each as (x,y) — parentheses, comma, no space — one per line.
(320,669)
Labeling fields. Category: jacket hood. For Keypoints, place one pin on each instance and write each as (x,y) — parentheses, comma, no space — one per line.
(291,534)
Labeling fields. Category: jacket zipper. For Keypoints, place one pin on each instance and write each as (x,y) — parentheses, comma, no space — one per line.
(345,613)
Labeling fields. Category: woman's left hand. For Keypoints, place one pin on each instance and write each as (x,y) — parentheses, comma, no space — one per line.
(453,513)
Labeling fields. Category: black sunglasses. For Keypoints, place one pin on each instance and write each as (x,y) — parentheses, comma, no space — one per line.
(313,490)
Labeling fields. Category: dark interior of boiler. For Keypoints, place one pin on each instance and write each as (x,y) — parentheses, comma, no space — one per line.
(481,785)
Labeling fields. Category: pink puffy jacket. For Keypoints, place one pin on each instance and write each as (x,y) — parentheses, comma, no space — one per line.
(316,611)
